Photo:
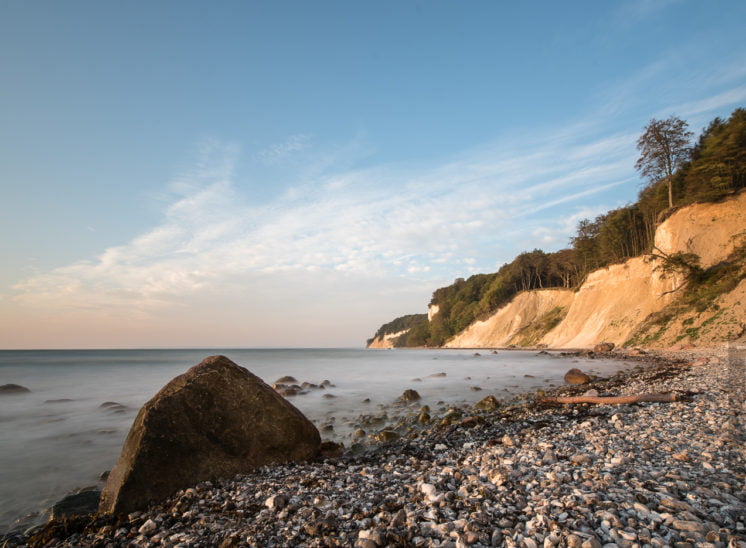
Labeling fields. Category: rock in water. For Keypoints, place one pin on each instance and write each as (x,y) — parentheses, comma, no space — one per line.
(216,420)
(409,395)
(79,504)
(576,376)
(13,389)
(604,347)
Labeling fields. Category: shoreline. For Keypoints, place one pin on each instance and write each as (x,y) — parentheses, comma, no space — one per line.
(462,481)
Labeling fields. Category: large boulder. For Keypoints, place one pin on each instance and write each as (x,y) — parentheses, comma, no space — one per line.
(214,421)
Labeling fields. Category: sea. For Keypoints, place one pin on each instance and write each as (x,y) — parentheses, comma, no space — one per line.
(69,429)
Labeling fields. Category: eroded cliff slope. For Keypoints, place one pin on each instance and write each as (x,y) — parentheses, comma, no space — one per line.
(636,301)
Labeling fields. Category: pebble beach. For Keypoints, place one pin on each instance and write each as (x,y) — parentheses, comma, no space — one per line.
(526,474)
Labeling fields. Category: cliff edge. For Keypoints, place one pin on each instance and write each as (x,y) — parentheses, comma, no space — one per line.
(691,289)
(619,303)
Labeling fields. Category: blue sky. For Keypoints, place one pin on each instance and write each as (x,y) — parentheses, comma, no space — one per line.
(297,173)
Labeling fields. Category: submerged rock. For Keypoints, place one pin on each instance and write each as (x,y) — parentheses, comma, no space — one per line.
(13,389)
(214,421)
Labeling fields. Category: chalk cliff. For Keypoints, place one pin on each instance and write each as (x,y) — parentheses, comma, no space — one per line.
(636,302)
(614,302)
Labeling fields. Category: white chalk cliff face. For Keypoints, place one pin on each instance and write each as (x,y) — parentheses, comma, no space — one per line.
(387,341)
(613,301)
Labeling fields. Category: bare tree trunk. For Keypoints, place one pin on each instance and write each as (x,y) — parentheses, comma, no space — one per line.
(670,191)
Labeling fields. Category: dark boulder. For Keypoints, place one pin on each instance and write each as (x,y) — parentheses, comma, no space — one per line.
(79,504)
(215,421)
(13,389)
(287,379)
(576,376)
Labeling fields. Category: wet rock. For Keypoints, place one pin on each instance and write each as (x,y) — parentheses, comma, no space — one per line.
(79,504)
(409,395)
(489,403)
(386,436)
(576,376)
(331,449)
(604,347)
(287,379)
(216,420)
(113,407)
(13,389)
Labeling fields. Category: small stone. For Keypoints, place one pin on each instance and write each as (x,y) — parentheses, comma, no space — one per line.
(387,436)
(689,526)
(147,528)
(574,541)
(276,502)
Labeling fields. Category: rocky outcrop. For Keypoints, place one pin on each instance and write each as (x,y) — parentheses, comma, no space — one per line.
(214,421)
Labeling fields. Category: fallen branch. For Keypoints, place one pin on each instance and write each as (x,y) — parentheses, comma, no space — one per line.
(610,399)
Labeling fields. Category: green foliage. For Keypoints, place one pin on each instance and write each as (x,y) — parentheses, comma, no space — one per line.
(664,147)
(401,323)
(713,169)
(718,164)
(465,301)
(699,295)
(686,264)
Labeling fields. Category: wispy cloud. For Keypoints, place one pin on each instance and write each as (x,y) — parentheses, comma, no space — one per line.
(341,230)
(393,221)
(281,151)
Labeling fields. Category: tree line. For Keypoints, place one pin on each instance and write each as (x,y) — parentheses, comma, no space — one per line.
(678,174)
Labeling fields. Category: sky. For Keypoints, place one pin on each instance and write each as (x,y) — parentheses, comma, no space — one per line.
(295,174)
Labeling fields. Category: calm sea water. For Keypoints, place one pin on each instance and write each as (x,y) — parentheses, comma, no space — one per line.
(58,438)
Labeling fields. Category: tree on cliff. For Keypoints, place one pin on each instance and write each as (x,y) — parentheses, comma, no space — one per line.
(663,148)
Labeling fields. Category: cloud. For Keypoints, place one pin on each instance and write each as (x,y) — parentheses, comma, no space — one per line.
(338,237)
(727,98)
(347,222)
(280,151)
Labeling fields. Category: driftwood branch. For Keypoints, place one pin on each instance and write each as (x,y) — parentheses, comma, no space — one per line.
(610,399)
